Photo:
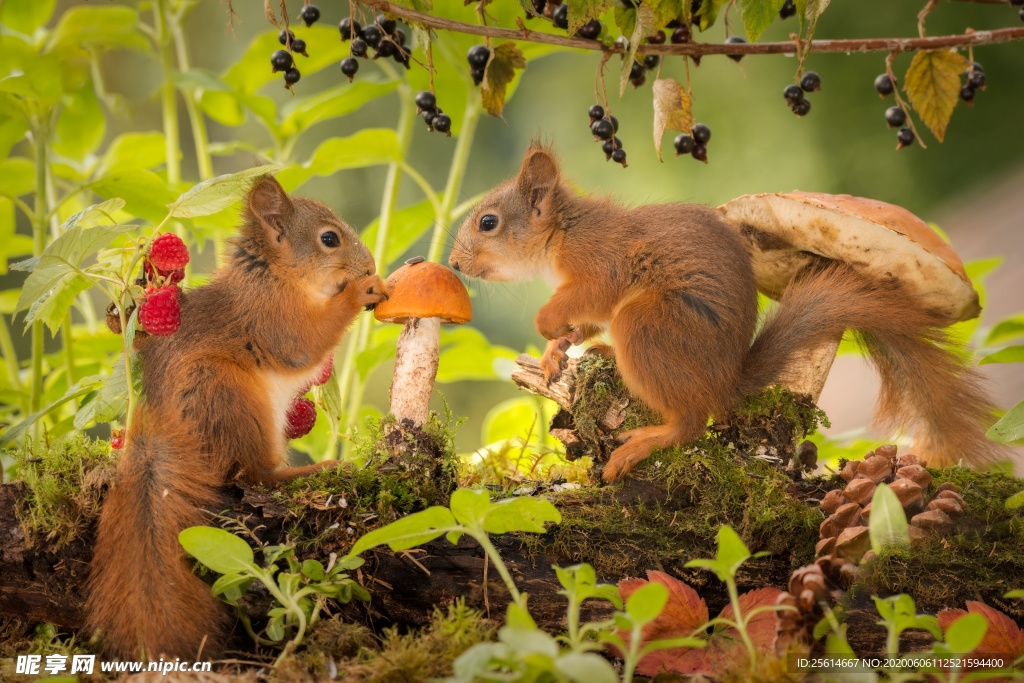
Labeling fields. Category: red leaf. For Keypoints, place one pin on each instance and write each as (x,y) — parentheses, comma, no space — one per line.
(947,616)
(1003,636)
(760,629)
(684,611)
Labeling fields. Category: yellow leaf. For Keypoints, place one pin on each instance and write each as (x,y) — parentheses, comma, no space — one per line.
(933,86)
(505,59)
(643,27)
(671,110)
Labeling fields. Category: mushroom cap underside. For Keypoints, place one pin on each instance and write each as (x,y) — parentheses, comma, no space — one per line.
(424,290)
(787,232)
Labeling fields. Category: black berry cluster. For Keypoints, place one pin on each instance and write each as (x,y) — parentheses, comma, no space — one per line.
(895,117)
(1018,3)
(384,36)
(283,60)
(604,126)
(795,94)
(426,107)
(638,71)
(477,57)
(974,80)
(695,144)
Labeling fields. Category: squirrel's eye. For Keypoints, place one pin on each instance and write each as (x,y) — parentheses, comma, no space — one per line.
(330,240)
(488,222)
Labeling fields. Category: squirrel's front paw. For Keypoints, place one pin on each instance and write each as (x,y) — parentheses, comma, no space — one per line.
(554,359)
(370,291)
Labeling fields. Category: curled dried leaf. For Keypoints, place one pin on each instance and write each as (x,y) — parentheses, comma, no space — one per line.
(505,59)
(672,110)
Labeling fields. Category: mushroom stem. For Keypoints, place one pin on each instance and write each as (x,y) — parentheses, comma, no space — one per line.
(416,357)
(810,368)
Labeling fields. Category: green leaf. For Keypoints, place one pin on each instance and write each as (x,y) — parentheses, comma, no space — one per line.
(586,667)
(888,523)
(758,15)
(99,29)
(643,26)
(466,354)
(368,147)
(1010,427)
(200,79)
(146,194)
(275,628)
(1006,330)
(409,531)
(17,176)
(506,58)
(529,641)
(933,86)
(511,418)
(81,125)
(231,586)
(521,514)
(216,194)
(708,12)
(646,603)
(1019,593)
(407,226)
(76,391)
(470,506)
(11,132)
(301,114)
(219,550)
(132,151)
(26,16)
(11,245)
(732,551)
(582,11)
(312,569)
(1011,354)
(967,632)
(111,401)
(252,70)
(1015,501)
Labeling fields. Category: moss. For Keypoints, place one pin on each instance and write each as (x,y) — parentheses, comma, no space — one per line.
(771,422)
(65,481)
(982,560)
(397,657)
(21,638)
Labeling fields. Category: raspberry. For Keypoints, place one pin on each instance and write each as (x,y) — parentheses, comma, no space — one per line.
(116,439)
(301,418)
(326,370)
(171,277)
(168,252)
(160,314)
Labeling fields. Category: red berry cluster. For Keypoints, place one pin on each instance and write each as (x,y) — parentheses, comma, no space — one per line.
(164,268)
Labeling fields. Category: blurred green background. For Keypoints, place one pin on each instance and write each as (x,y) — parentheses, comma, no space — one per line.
(757,145)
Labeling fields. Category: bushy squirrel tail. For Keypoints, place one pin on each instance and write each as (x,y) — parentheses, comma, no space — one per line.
(930,391)
(143,601)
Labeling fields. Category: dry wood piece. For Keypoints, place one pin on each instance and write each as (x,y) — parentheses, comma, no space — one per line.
(529,376)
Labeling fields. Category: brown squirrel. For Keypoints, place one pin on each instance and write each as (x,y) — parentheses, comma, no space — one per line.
(217,392)
(674,285)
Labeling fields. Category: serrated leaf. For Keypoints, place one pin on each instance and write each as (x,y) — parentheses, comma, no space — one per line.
(643,27)
(505,59)
(933,86)
(758,15)
(217,194)
(582,11)
(671,110)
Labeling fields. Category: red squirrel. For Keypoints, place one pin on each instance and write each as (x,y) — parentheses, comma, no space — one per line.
(217,392)
(674,286)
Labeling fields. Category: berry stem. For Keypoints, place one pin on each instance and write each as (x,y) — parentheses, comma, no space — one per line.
(899,100)
(10,355)
(40,132)
(126,354)
(923,14)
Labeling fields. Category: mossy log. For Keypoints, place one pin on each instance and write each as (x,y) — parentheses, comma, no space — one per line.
(666,513)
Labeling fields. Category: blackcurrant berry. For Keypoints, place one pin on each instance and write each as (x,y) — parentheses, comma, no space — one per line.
(619,156)
(284,36)
(602,129)
(349,27)
(674,24)
(349,67)
(680,35)
(701,133)
(609,146)
(895,117)
(735,40)
(402,57)
(299,45)
(883,84)
(538,7)
(811,81)
(372,36)
(280,60)
(657,39)
(637,82)
(967,93)
(651,62)
(387,25)
(636,71)
(595,112)
(801,108)
(793,94)
(428,115)
(615,124)
(975,66)
(477,75)
(977,79)
(590,30)
(385,49)
(357,48)
(442,123)
(788,9)
(1017,3)
(561,16)
(398,35)
(904,138)
(426,101)
(478,56)
(684,144)
(291,77)
(1021,14)
(700,153)
(310,14)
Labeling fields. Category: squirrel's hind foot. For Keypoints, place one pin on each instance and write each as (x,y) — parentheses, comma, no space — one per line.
(637,447)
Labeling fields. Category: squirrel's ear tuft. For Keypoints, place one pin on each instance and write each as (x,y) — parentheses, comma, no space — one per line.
(269,206)
(539,175)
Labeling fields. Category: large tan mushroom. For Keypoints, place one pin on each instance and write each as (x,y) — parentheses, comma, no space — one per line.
(787,232)
(421,296)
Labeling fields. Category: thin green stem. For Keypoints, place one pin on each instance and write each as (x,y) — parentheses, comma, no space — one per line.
(11,360)
(455,175)
(485,542)
(424,185)
(25,208)
(168,93)
(132,398)
(38,245)
(741,622)
(68,339)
